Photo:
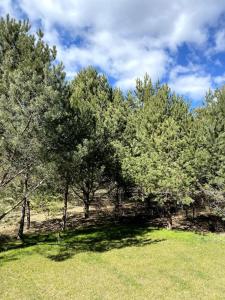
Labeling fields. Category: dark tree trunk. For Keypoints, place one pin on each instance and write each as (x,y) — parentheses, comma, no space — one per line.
(186,213)
(23,211)
(86,210)
(86,204)
(169,220)
(193,211)
(147,202)
(175,208)
(117,202)
(28,214)
(66,193)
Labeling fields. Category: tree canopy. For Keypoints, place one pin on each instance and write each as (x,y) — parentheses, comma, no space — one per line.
(80,136)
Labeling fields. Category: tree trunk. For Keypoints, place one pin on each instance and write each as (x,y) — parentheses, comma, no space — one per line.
(66,193)
(23,211)
(193,211)
(86,210)
(117,202)
(10,209)
(147,203)
(169,220)
(186,213)
(28,214)
(86,200)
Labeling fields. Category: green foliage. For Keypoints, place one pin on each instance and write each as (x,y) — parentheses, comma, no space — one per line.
(92,96)
(156,155)
(86,135)
(26,89)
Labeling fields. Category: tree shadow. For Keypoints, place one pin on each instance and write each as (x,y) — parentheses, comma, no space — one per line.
(204,223)
(61,246)
(69,250)
(97,218)
(102,242)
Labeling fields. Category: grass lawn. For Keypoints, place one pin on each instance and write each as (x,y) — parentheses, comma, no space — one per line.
(114,263)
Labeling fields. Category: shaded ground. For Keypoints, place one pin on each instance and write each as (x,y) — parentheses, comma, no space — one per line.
(113,257)
(69,243)
(114,262)
(129,215)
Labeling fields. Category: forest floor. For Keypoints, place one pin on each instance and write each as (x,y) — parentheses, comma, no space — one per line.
(42,222)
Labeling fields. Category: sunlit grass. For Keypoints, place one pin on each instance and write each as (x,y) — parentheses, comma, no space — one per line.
(114,263)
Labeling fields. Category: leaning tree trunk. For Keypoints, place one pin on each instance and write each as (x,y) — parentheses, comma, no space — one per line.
(66,193)
(10,209)
(23,211)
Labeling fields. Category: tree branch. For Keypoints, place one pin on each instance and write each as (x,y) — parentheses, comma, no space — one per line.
(10,209)
(4,182)
(19,202)
(76,193)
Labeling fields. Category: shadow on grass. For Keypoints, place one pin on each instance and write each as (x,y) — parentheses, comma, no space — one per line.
(62,246)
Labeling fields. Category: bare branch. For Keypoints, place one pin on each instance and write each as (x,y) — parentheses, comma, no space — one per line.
(19,202)
(76,193)
(10,209)
(4,182)
(35,187)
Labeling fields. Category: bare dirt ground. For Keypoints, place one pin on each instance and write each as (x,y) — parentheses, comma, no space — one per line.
(40,221)
(44,222)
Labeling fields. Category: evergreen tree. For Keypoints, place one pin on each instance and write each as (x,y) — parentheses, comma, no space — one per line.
(157,152)
(92,94)
(27,85)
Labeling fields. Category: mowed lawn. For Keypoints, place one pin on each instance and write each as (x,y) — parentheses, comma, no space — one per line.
(114,263)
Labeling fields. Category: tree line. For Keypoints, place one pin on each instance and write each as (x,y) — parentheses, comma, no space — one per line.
(79,136)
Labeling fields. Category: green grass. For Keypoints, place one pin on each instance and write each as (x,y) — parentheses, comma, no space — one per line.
(114,263)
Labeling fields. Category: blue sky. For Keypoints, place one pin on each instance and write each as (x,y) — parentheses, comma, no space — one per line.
(181,42)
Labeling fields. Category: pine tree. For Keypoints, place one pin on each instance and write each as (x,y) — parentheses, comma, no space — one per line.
(155,158)
(92,94)
(28,83)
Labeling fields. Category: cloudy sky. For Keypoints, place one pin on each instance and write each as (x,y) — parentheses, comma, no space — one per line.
(181,42)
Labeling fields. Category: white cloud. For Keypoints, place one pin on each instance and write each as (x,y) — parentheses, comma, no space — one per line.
(192,85)
(153,20)
(6,7)
(219,80)
(220,41)
(127,38)
(190,80)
